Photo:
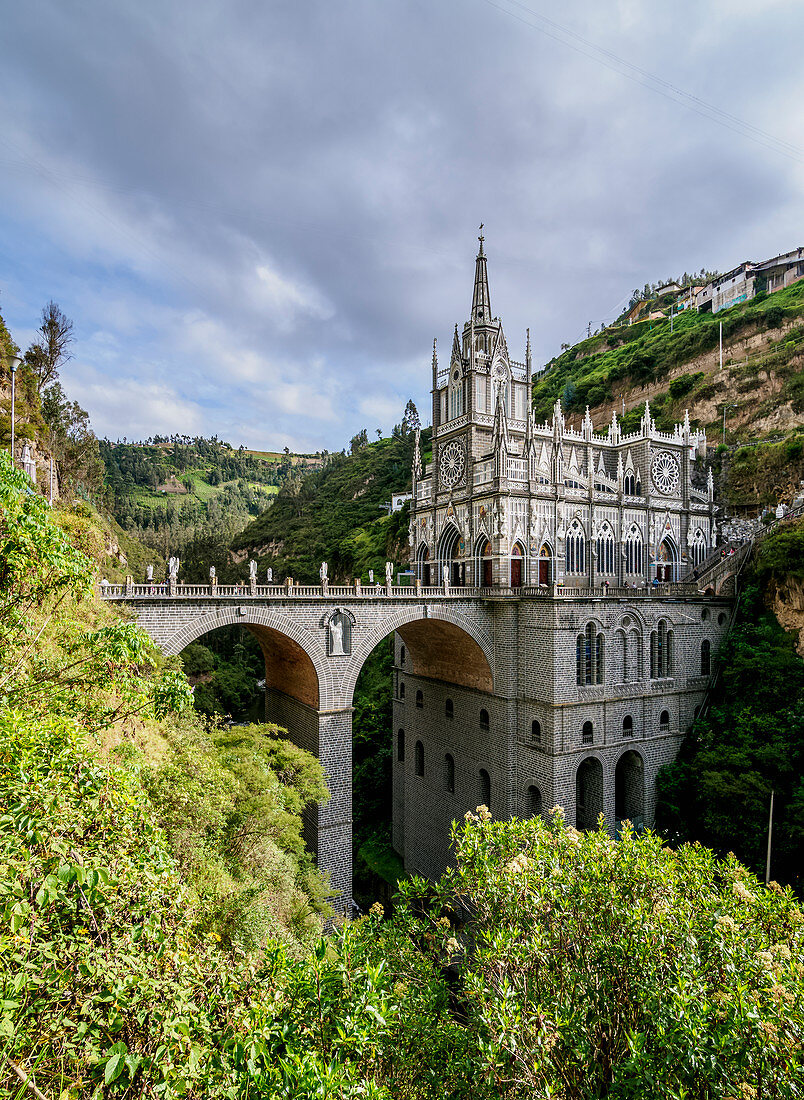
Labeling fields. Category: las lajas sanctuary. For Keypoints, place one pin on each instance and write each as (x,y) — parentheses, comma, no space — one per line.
(598,666)
(556,642)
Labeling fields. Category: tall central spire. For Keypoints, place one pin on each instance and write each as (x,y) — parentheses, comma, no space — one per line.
(481,300)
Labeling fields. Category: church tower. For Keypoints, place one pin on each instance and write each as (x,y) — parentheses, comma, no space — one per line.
(480,404)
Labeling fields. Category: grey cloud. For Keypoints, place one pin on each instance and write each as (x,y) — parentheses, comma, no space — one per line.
(304,182)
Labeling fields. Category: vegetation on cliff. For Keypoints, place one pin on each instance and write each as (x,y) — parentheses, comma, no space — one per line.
(750,740)
(337,514)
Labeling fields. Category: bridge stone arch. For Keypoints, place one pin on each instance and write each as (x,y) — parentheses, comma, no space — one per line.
(295,661)
(428,633)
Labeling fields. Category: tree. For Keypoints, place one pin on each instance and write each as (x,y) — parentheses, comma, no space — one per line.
(359,441)
(47,354)
(593,967)
(410,420)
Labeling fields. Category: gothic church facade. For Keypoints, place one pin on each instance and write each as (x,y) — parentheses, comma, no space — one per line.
(579,542)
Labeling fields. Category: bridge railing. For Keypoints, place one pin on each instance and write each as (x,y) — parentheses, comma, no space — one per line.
(370,592)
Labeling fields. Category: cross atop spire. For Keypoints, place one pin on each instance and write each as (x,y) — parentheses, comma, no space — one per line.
(481,299)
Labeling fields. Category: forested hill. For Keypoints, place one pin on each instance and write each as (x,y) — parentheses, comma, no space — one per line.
(762,381)
(337,514)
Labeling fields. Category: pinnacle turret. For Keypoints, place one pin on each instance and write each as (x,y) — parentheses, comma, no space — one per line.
(481,299)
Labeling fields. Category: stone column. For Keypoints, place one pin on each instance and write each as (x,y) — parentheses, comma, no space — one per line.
(327,734)
(129,586)
(334,825)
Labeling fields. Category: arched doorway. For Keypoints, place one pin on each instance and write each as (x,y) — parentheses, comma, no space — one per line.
(545,558)
(484,563)
(451,558)
(423,566)
(667,561)
(629,789)
(517,557)
(588,793)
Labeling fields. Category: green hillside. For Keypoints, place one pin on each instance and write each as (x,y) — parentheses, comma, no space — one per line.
(336,514)
(190,496)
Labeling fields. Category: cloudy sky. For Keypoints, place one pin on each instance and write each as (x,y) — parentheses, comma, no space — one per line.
(259,213)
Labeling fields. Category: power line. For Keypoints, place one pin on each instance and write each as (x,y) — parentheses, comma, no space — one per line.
(564,35)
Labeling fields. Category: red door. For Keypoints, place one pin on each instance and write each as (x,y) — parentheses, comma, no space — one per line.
(544,571)
(516,572)
(487,572)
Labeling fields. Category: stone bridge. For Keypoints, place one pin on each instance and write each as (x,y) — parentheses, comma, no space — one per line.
(315,641)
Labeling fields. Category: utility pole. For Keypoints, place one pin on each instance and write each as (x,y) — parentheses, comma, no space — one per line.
(14,362)
(721,345)
(671,320)
(770,831)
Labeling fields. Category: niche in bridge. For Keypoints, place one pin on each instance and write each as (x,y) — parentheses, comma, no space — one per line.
(588,793)
(442,651)
(629,788)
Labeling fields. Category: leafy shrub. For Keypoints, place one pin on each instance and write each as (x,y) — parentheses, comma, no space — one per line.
(197,659)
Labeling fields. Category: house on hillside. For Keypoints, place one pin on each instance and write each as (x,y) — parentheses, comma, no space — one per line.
(747,280)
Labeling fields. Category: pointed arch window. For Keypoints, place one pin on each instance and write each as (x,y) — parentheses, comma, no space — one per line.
(605,551)
(575,549)
(699,548)
(419,758)
(455,394)
(633,550)
(706,658)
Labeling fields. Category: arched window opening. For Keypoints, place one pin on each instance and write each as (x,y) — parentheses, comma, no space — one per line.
(533,801)
(588,793)
(419,700)
(402,655)
(629,789)
(628,726)
(661,651)
(449,709)
(536,731)
(664,720)
(575,549)
(485,788)
(400,745)
(587,734)
(620,668)
(402,690)
(706,658)
(590,663)
(635,671)
(484,719)
(449,773)
(629,485)
(721,619)
(419,758)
